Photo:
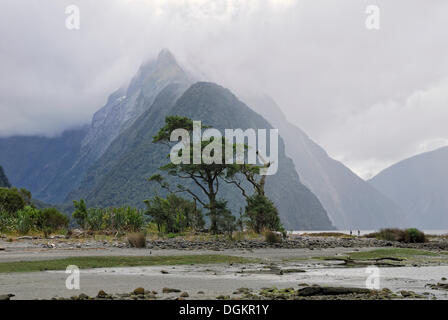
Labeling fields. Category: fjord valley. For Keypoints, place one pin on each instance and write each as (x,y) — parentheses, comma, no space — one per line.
(106,198)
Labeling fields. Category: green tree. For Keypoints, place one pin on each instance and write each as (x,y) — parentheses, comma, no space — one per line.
(80,215)
(51,220)
(262,214)
(174,214)
(260,210)
(205,176)
(26,196)
(11,200)
(226,222)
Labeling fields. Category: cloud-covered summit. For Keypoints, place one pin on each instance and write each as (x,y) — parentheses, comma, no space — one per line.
(365,96)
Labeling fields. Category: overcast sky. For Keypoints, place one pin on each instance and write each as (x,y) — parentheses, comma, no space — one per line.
(369,97)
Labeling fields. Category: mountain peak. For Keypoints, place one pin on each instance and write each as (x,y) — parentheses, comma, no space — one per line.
(418,185)
(164,66)
(166,57)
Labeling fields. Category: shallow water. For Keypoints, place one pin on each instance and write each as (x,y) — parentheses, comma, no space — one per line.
(394,278)
(364,232)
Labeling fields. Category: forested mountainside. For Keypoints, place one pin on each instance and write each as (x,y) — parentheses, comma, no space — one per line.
(120,175)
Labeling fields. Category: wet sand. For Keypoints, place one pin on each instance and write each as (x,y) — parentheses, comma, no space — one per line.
(212,280)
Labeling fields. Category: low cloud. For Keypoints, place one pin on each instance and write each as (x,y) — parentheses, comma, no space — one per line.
(398,128)
(368,97)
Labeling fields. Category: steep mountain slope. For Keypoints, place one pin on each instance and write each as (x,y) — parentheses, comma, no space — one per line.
(119,176)
(122,110)
(4,182)
(350,202)
(52,167)
(36,163)
(420,186)
(125,106)
(134,153)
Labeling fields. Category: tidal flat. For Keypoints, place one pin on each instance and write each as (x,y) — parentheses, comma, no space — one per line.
(35,269)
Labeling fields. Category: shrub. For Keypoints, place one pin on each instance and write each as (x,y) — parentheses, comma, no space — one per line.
(225,222)
(137,240)
(51,220)
(413,235)
(26,220)
(272,237)
(113,219)
(408,236)
(262,214)
(387,234)
(134,219)
(174,214)
(80,214)
(7,222)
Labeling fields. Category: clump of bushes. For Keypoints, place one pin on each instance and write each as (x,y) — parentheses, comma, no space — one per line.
(50,220)
(411,235)
(272,237)
(137,240)
(174,214)
(124,219)
(30,219)
(26,220)
(387,234)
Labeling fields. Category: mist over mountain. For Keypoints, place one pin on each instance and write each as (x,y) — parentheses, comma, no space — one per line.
(350,202)
(4,182)
(119,176)
(420,186)
(108,161)
(52,167)
(124,106)
(40,163)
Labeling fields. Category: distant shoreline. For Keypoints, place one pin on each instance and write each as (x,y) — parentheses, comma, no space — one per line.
(433,232)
